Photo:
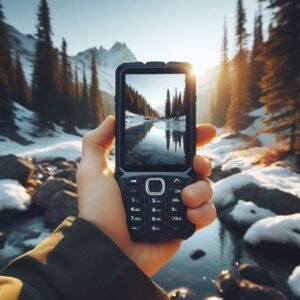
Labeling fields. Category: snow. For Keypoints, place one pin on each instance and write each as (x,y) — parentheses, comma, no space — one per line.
(279,229)
(13,195)
(59,144)
(294,281)
(223,190)
(246,212)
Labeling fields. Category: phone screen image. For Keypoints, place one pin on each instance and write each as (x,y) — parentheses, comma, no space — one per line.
(155,120)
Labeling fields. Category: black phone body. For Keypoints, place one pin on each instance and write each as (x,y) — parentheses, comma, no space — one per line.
(155,146)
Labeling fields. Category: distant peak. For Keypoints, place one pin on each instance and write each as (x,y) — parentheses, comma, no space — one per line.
(118,45)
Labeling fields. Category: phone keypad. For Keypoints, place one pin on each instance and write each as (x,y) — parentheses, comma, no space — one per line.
(155,214)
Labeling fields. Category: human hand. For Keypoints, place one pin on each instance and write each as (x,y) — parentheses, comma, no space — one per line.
(100,200)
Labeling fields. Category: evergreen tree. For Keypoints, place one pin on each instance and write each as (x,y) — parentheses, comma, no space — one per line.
(22,93)
(7,123)
(180,105)
(67,92)
(46,75)
(76,98)
(280,83)
(256,65)
(237,115)
(223,87)
(84,104)
(96,101)
(168,105)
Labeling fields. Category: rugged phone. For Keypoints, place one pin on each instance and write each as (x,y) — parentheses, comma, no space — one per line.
(155,146)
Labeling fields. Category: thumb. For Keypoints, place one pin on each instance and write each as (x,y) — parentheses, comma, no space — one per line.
(97,142)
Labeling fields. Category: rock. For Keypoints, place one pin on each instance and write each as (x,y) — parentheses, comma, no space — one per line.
(181,293)
(45,192)
(196,254)
(217,174)
(2,239)
(255,275)
(62,205)
(243,214)
(69,174)
(279,202)
(13,167)
(252,291)
(227,286)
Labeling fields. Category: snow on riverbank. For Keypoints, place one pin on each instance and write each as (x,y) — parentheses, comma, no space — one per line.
(294,281)
(278,229)
(13,195)
(248,213)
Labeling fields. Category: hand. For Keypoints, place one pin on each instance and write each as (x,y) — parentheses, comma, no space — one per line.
(100,199)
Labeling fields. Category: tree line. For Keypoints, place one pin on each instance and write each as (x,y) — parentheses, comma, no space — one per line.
(56,93)
(267,76)
(176,107)
(137,104)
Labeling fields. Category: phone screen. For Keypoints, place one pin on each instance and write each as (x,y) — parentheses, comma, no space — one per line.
(155,117)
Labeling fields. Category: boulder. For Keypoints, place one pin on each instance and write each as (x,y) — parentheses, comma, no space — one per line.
(217,174)
(45,192)
(255,275)
(69,174)
(181,293)
(227,286)
(253,291)
(281,203)
(62,205)
(197,254)
(13,167)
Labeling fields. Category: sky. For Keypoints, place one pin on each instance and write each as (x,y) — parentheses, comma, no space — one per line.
(154,86)
(180,30)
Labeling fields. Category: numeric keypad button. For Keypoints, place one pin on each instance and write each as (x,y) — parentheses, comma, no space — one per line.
(155,219)
(135,209)
(174,228)
(135,218)
(175,219)
(155,228)
(136,228)
(155,200)
(174,209)
(155,210)
(134,200)
(174,200)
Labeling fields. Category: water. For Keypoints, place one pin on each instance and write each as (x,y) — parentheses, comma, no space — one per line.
(156,142)
(224,249)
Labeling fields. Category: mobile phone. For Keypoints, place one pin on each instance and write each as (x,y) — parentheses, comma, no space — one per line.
(155,146)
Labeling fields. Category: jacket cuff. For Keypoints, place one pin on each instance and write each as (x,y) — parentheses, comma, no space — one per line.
(95,261)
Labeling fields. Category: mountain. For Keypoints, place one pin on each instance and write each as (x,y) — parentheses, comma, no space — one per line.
(107,62)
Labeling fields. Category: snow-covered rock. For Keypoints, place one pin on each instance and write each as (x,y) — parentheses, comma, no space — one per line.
(294,281)
(248,213)
(283,230)
(13,195)
(223,190)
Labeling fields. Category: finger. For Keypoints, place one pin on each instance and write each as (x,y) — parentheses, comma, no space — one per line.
(204,134)
(97,142)
(203,215)
(196,194)
(202,166)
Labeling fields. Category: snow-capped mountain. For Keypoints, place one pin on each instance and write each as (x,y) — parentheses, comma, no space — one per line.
(107,60)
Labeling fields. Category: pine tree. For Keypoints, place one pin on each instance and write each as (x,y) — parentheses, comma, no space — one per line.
(256,66)
(46,75)
(280,83)
(67,92)
(96,100)
(7,123)
(237,115)
(84,104)
(22,93)
(168,105)
(223,87)
(76,98)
